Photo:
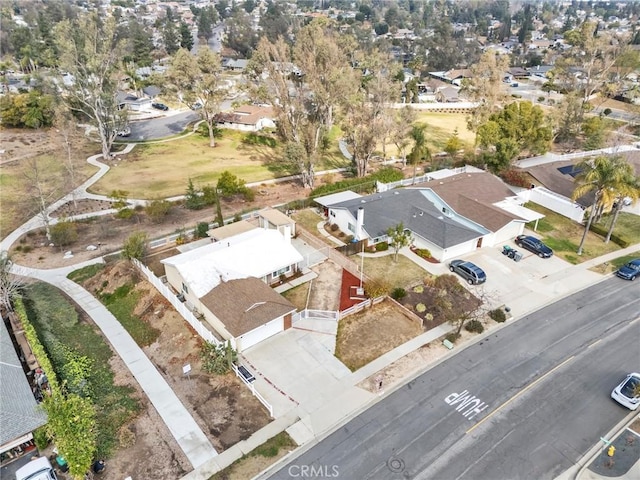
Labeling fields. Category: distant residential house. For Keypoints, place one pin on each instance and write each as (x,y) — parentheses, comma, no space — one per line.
(132,102)
(518,72)
(228,282)
(454,76)
(448,94)
(248,118)
(151,91)
(541,71)
(236,65)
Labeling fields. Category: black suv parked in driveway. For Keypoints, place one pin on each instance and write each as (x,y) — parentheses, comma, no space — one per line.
(534,245)
(159,106)
(473,274)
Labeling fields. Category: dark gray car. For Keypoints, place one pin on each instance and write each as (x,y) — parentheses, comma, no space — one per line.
(473,274)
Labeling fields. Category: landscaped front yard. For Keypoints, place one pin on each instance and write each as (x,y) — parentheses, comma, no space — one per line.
(563,235)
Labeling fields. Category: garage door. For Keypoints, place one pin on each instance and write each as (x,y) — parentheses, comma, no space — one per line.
(259,334)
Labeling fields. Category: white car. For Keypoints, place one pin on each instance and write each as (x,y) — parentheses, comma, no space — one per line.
(37,469)
(628,392)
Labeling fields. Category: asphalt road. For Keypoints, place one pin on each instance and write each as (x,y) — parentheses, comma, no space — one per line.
(541,399)
(161,127)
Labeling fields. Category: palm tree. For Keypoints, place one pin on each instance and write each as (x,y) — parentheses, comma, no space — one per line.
(604,176)
(420,149)
(628,191)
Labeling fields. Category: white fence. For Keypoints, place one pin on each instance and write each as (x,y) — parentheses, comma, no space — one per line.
(427,177)
(196,324)
(178,305)
(554,202)
(316,315)
(253,390)
(361,306)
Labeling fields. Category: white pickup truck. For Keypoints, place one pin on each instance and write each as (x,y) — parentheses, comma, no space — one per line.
(37,469)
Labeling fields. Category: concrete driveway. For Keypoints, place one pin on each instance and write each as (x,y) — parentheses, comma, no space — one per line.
(530,283)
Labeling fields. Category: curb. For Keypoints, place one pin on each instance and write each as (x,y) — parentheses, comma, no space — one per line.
(615,432)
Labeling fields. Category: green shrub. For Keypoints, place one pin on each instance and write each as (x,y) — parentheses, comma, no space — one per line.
(201,230)
(418,289)
(452,337)
(382,247)
(41,438)
(398,293)
(601,230)
(334,227)
(498,315)
(474,326)
(217,359)
(421,307)
(423,253)
(376,288)
(362,184)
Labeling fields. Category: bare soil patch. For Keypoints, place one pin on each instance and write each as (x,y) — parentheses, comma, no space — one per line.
(367,335)
(109,232)
(221,405)
(325,289)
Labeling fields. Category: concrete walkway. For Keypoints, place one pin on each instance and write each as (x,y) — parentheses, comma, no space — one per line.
(183,427)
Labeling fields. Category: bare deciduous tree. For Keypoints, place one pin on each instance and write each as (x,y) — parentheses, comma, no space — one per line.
(10,283)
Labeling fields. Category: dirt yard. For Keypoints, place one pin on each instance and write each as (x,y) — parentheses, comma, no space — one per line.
(359,339)
(108,233)
(222,406)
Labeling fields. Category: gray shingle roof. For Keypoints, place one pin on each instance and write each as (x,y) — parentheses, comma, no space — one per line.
(416,212)
(19,411)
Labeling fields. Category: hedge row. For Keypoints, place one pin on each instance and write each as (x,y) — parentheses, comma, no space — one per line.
(384,175)
(617,239)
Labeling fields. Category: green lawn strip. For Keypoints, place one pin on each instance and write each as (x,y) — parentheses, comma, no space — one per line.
(268,449)
(615,264)
(563,236)
(85,273)
(60,329)
(403,273)
(160,170)
(121,303)
(308,219)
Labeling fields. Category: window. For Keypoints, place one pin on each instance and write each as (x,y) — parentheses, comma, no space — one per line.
(184,288)
(282,271)
(351,227)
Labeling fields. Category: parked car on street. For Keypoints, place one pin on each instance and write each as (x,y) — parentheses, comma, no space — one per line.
(125,132)
(628,392)
(630,271)
(534,245)
(473,274)
(159,106)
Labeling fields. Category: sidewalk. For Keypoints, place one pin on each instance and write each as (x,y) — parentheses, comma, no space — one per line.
(179,421)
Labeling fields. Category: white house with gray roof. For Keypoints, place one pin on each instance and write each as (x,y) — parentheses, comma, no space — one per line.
(433,224)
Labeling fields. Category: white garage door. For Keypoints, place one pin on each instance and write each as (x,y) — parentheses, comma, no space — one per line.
(259,334)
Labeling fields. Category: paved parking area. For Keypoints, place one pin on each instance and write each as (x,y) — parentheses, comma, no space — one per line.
(525,285)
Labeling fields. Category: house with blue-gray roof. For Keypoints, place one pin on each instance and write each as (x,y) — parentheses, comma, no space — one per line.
(434,227)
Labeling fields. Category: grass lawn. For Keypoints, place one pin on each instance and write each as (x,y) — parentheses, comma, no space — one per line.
(403,273)
(14,186)
(615,264)
(308,219)
(160,170)
(443,125)
(65,336)
(563,235)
